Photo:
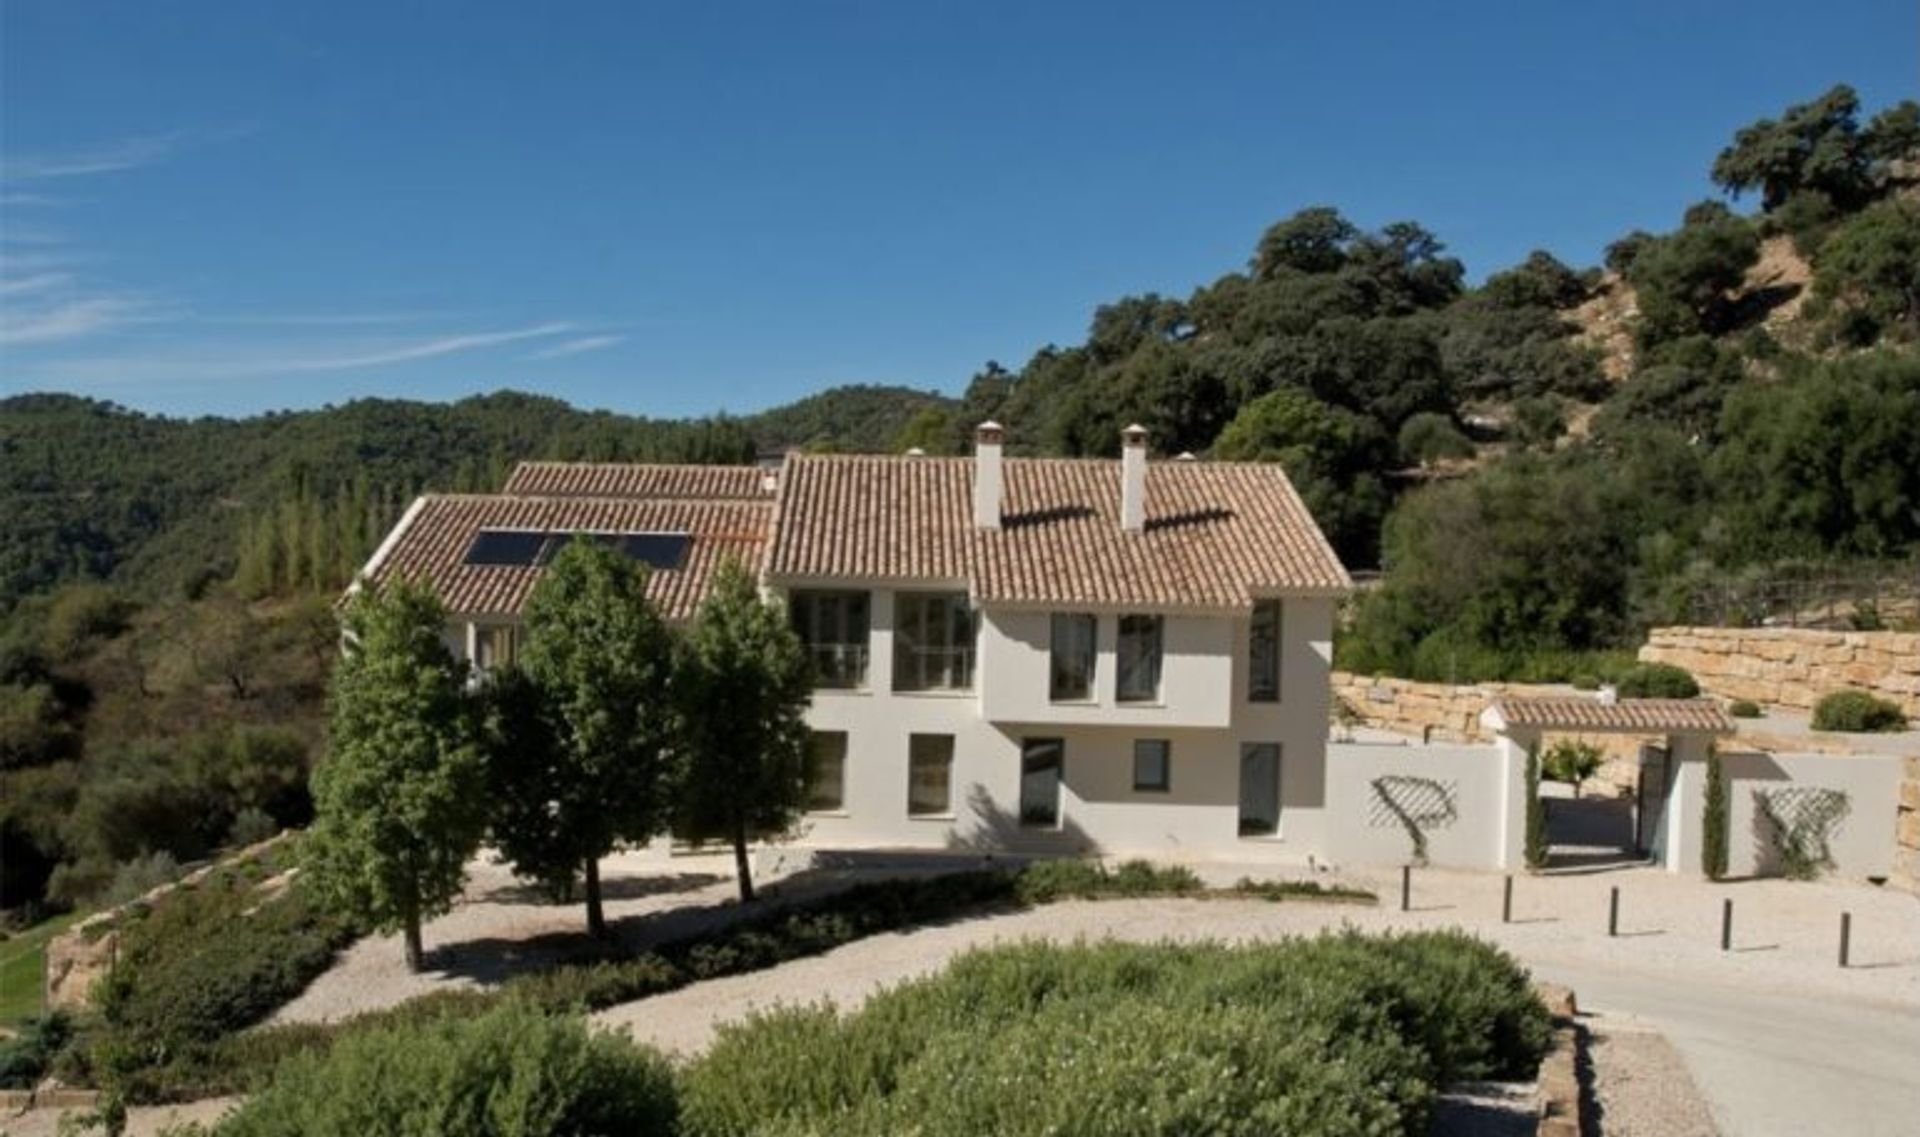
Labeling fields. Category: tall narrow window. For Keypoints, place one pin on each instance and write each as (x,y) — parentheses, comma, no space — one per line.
(1259,789)
(1074,646)
(1042,762)
(495,645)
(827,772)
(1138,657)
(1152,765)
(1263,653)
(929,775)
(933,634)
(833,628)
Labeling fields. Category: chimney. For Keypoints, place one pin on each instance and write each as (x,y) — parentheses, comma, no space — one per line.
(987,482)
(1133,478)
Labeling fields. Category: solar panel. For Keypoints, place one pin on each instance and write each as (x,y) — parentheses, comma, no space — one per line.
(657,550)
(506,547)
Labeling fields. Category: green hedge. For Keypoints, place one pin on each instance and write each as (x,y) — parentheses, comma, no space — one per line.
(515,1071)
(1341,1035)
(1857,712)
(1658,681)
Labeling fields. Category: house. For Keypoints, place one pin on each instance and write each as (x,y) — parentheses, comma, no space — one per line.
(1038,654)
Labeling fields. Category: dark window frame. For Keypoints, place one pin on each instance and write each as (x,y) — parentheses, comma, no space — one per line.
(1264,668)
(1056,650)
(1165,756)
(1154,659)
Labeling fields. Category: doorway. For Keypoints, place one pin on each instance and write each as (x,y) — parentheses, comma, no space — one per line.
(1650,816)
(1259,789)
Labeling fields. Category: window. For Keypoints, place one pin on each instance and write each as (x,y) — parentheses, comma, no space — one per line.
(827,772)
(1259,789)
(833,628)
(1041,763)
(932,642)
(1152,765)
(1139,659)
(929,775)
(495,645)
(1075,641)
(1263,653)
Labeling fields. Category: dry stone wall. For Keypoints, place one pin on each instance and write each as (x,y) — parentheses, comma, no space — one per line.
(1443,712)
(1793,667)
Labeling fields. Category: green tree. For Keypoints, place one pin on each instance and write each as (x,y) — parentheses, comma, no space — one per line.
(1867,274)
(931,430)
(1714,819)
(397,801)
(744,685)
(1312,240)
(1329,453)
(1684,280)
(1427,438)
(601,661)
(1814,145)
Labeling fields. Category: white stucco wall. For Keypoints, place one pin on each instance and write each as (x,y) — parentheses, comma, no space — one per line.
(1196,674)
(1862,843)
(1470,778)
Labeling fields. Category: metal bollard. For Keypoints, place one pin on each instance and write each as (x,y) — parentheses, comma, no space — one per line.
(1406,888)
(1726,924)
(1613,911)
(1846,936)
(1506,902)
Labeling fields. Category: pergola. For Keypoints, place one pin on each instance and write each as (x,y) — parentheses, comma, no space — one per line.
(1689,726)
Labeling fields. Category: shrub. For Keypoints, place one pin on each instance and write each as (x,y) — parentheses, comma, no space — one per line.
(1301,889)
(1534,849)
(1346,1034)
(28,1054)
(1714,820)
(1045,881)
(1658,681)
(1744,709)
(1572,762)
(1857,712)
(513,1072)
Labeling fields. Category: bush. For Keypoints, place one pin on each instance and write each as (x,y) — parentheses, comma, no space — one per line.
(1857,712)
(1744,709)
(1301,890)
(1534,838)
(1714,820)
(1571,762)
(1046,881)
(1658,681)
(513,1072)
(27,1055)
(1342,1035)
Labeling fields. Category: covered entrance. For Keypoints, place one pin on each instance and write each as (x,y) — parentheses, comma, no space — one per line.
(1660,824)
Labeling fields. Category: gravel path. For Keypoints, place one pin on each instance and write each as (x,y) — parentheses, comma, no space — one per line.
(1641,1085)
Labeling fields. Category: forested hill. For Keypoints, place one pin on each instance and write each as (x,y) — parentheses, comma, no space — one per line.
(163,505)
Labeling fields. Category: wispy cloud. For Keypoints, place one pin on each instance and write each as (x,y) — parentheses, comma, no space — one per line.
(66,318)
(577,346)
(27,200)
(125,154)
(445,345)
(35,284)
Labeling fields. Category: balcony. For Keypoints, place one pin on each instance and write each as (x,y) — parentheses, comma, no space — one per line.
(838,667)
(933,668)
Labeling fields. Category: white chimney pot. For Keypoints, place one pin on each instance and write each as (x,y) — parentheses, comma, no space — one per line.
(988,480)
(1133,478)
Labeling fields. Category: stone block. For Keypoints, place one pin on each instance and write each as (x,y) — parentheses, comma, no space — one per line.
(1908,830)
(1910,794)
(1776,651)
(1796,695)
(1861,674)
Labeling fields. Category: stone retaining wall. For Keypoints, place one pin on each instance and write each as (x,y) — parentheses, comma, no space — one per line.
(1906,854)
(1442,712)
(1793,667)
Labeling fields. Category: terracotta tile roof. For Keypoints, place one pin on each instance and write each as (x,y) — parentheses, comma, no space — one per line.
(624,479)
(1217,533)
(1650,716)
(433,540)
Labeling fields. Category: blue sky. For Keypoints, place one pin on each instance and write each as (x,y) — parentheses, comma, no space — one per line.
(676,209)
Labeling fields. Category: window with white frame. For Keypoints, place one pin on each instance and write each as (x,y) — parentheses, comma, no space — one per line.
(833,627)
(827,772)
(929,775)
(933,635)
(1263,653)
(1075,645)
(1152,765)
(1137,659)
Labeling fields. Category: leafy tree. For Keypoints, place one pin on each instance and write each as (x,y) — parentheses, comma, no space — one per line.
(1868,274)
(1813,145)
(1327,451)
(1683,280)
(1715,817)
(1534,837)
(601,662)
(1313,240)
(1572,762)
(1427,437)
(1540,281)
(1539,421)
(1621,254)
(744,686)
(932,431)
(398,800)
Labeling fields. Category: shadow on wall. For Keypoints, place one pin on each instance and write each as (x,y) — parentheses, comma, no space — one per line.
(997,830)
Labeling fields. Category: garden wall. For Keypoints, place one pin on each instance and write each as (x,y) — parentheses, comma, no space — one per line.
(1862,841)
(1793,667)
(1906,854)
(1443,712)
(1452,793)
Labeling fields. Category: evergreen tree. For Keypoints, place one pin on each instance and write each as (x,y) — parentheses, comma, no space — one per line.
(397,801)
(601,661)
(744,684)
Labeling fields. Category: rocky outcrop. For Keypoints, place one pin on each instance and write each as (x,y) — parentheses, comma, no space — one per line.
(1793,667)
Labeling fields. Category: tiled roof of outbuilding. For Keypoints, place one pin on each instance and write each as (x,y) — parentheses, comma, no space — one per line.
(1579,713)
(1217,533)
(624,479)
(433,540)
